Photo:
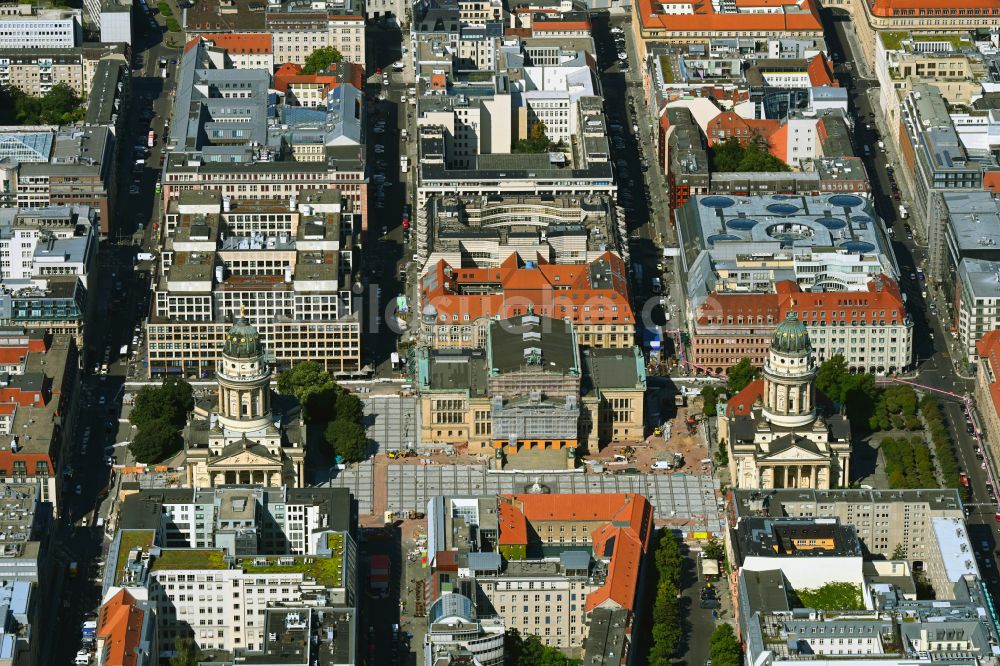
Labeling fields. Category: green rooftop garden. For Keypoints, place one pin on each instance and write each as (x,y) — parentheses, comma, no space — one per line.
(185,558)
(327,571)
(893,41)
(955,41)
(832,597)
(335,542)
(667,69)
(132,539)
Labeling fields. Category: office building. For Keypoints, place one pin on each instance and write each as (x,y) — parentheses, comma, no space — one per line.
(297,29)
(291,633)
(20,635)
(281,151)
(23,526)
(988,390)
(244,50)
(731,326)
(250,566)
(543,563)
(484,232)
(777,435)
(287,266)
(457,304)
(46,242)
(114,20)
(971,231)
(24,26)
(454,632)
(47,166)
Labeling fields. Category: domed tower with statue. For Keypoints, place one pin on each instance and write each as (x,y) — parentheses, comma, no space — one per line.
(781,432)
(251,436)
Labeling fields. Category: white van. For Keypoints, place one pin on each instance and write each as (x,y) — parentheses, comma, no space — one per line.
(661,464)
(404,163)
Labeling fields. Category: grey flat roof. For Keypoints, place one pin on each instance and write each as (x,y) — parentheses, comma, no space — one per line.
(510,342)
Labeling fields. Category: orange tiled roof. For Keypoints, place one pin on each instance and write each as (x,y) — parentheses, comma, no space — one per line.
(742,403)
(820,72)
(626,529)
(938,8)
(988,347)
(560,26)
(30,460)
(7,408)
(705,19)
(120,626)
(242,42)
(553,290)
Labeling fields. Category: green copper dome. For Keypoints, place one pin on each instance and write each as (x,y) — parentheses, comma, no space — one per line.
(242,341)
(791,337)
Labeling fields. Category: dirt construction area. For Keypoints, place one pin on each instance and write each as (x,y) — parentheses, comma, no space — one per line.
(673,437)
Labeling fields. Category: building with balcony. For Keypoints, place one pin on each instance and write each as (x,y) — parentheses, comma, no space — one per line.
(287,266)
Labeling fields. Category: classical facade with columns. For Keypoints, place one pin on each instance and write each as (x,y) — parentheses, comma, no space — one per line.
(778,434)
(247,438)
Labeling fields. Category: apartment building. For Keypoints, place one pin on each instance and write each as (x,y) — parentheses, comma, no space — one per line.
(530,387)
(296,29)
(24,26)
(457,304)
(682,155)
(870,329)
(550,95)
(543,563)
(484,232)
(313,90)
(286,266)
(688,22)
(47,242)
(20,634)
(247,570)
(48,166)
(934,162)
(24,526)
(38,408)
(212,146)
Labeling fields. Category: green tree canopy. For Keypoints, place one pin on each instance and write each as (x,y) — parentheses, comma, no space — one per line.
(740,375)
(155,441)
(537,141)
(723,648)
(346,439)
(313,387)
(710,398)
(349,408)
(529,651)
(320,59)
(186,653)
(170,401)
(731,156)
(714,550)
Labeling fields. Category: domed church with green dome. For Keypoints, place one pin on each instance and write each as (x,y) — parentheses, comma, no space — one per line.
(250,437)
(779,435)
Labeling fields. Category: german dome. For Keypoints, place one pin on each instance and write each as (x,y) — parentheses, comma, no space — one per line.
(242,341)
(791,337)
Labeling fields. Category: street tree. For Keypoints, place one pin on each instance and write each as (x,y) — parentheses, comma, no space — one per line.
(155,441)
(740,375)
(321,59)
(346,439)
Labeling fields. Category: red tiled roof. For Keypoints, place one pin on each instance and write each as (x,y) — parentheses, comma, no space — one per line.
(938,8)
(742,403)
(560,26)
(12,355)
(7,408)
(242,42)
(552,290)
(705,19)
(988,348)
(120,627)
(626,529)
(30,460)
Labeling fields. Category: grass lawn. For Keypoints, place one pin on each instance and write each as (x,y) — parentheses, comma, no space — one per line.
(186,558)
(328,571)
(893,41)
(131,539)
